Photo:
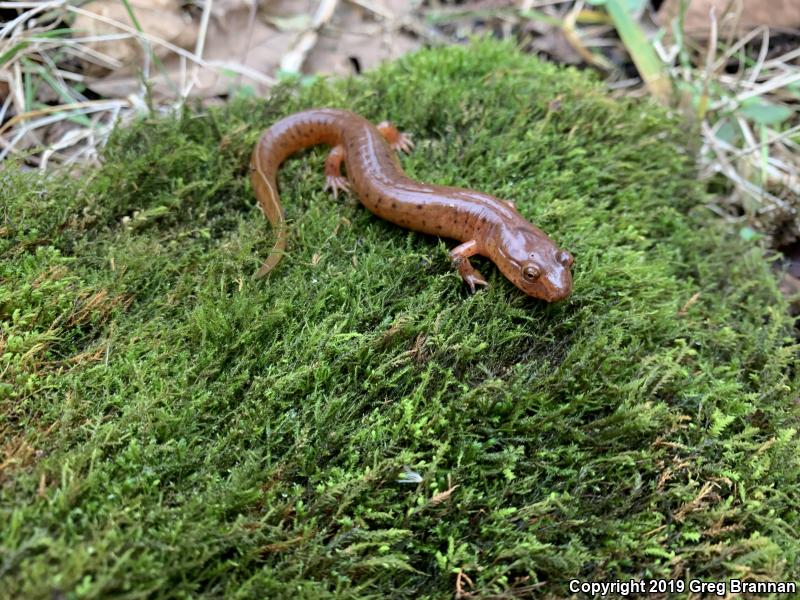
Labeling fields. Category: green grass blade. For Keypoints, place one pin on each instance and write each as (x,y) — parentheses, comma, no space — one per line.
(12,52)
(62,91)
(644,57)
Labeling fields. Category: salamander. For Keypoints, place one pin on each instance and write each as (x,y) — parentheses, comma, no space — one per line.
(484,225)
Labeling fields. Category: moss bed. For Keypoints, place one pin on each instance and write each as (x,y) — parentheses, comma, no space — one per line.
(170,427)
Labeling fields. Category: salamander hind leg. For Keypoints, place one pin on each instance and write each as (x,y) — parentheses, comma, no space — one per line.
(460,257)
(334,180)
(397,140)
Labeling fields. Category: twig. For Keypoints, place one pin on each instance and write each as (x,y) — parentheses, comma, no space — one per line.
(293,60)
(762,56)
(710,54)
(199,46)
(461,578)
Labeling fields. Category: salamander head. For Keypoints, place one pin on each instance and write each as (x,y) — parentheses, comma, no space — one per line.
(533,263)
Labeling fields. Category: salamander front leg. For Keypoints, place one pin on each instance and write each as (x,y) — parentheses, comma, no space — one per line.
(397,140)
(333,172)
(460,257)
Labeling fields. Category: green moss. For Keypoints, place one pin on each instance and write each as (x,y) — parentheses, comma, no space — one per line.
(171,427)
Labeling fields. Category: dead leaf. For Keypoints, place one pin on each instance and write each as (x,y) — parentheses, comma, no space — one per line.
(293,60)
(780,14)
(163,19)
(790,288)
(241,41)
(442,496)
(358,36)
(703,497)
(689,303)
(293,23)
(245,48)
(555,44)
(220,8)
(16,454)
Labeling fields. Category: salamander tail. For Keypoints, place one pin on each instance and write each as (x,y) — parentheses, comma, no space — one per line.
(266,192)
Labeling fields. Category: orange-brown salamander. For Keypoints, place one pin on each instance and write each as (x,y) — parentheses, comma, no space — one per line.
(484,224)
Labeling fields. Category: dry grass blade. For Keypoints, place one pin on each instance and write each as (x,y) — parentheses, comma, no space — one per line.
(747,105)
(36,9)
(33,49)
(42,93)
(63,108)
(573,37)
(721,163)
(61,115)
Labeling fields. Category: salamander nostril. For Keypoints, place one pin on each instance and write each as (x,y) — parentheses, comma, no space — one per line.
(565,258)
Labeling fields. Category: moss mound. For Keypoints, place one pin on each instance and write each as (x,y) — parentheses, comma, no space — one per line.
(172,428)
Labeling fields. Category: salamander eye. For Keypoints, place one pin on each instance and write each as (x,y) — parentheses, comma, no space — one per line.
(565,258)
(531,273)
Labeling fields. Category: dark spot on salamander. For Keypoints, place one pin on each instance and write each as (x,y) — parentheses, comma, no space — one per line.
(419,206)
(394,205)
